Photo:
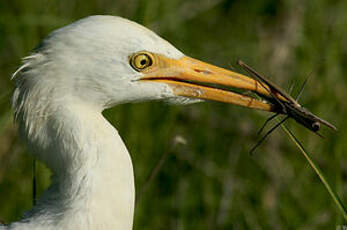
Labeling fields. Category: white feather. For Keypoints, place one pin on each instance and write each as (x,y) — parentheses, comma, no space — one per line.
(61,90)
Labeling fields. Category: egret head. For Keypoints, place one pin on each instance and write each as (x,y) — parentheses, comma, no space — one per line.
(106,60)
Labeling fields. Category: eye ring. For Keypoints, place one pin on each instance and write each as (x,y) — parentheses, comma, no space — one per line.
(141,61)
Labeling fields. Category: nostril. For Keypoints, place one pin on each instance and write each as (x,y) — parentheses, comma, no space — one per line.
(206,72)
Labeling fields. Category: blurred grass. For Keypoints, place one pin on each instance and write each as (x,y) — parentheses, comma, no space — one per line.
(211,182)
(319,173)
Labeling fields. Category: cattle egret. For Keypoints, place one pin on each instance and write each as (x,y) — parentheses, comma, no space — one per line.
(62,88)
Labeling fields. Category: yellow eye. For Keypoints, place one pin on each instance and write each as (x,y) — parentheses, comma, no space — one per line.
(141,61)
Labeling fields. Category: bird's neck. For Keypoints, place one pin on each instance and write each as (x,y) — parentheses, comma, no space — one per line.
(92,183)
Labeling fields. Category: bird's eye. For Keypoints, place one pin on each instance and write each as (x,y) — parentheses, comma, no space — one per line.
(141,61)
(316,126)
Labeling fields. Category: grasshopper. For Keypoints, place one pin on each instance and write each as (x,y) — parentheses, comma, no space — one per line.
(289,107)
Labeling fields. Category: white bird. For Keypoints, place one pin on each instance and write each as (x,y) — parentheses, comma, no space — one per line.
(62,88)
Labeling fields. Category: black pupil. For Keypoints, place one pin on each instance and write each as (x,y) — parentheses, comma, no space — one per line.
(143,62)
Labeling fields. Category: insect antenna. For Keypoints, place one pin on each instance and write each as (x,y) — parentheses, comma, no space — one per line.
(267,134)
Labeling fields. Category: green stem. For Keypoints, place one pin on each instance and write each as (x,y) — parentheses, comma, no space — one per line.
(318,172)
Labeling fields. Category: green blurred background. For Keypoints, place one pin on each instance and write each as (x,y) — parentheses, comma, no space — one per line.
(208,179)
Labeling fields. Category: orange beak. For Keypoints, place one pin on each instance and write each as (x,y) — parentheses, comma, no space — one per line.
(189,77)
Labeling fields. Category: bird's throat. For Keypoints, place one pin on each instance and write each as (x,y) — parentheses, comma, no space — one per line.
(92,184)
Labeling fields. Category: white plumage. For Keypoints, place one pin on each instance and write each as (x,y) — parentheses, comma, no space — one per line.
(60,92)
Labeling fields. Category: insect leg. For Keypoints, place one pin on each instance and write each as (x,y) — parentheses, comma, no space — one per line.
(291,88)
(303,87)
(267,134)
(265,123)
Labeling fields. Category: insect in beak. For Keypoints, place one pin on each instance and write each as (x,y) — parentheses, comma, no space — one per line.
(289,107)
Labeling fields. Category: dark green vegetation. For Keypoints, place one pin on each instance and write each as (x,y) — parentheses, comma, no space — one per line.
(210,182)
